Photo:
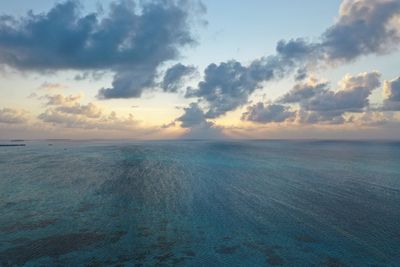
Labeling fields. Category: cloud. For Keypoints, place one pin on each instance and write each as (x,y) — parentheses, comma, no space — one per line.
(363,27)
(192,116)
(67,111)
(61,100)
(322,117)
(13,116)
(90,110)
(130,83)
(303,91)
(268,113)
(70,105)
(301,74)
(47,86)
(392,95)
(228,85)
(376,119)
(194,120)
(298,49)
(58,117)
(131,40)
(317,103)
(174,77)
(352,96)
(89,75)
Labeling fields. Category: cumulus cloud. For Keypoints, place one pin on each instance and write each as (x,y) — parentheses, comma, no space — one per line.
(174,77)
(317,103)
(67,111)
(72,120)
(228,85)
(268,113)
(198,127)
(192,116)
(352,96)
(130,83)
(320,117)
(90,110)
(13,116)
(303,91)
(375,119)
(363,27)
(71,105)
(61,100)
(301,74)
(392,95)
(131,40)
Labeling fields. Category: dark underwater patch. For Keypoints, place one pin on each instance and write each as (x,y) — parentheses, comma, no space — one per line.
(52,246)
(164,257)
(334,262)
(222,249)
(85,207)
(190,253)
(305,239)
(16,227)
(272,257)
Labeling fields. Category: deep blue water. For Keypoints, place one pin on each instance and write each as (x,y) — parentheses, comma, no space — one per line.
(200,203)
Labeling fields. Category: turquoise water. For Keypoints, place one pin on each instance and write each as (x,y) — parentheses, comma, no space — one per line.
(200,203)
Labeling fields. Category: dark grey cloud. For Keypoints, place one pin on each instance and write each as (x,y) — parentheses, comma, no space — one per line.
(195,122)
(329,106)
(303,91)
(353,96)
(192,116)
(392,95)
(392,90)
(131,40)
(301,74)
(268,113)
(174,77)
(312,117)
(364,27)
(228,85)
(13,116)
(89,75)
(317,103)
(298,49)
(130,83)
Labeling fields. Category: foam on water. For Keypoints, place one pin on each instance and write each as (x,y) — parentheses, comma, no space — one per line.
(200,203)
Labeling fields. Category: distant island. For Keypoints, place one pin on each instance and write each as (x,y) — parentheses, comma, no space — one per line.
(12,144)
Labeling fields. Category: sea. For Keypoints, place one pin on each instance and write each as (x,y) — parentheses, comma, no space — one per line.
(200,203)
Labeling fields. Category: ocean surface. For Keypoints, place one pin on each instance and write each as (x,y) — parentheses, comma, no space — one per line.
(200,203)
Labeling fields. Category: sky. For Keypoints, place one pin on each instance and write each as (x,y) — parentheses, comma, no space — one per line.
(167,69)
